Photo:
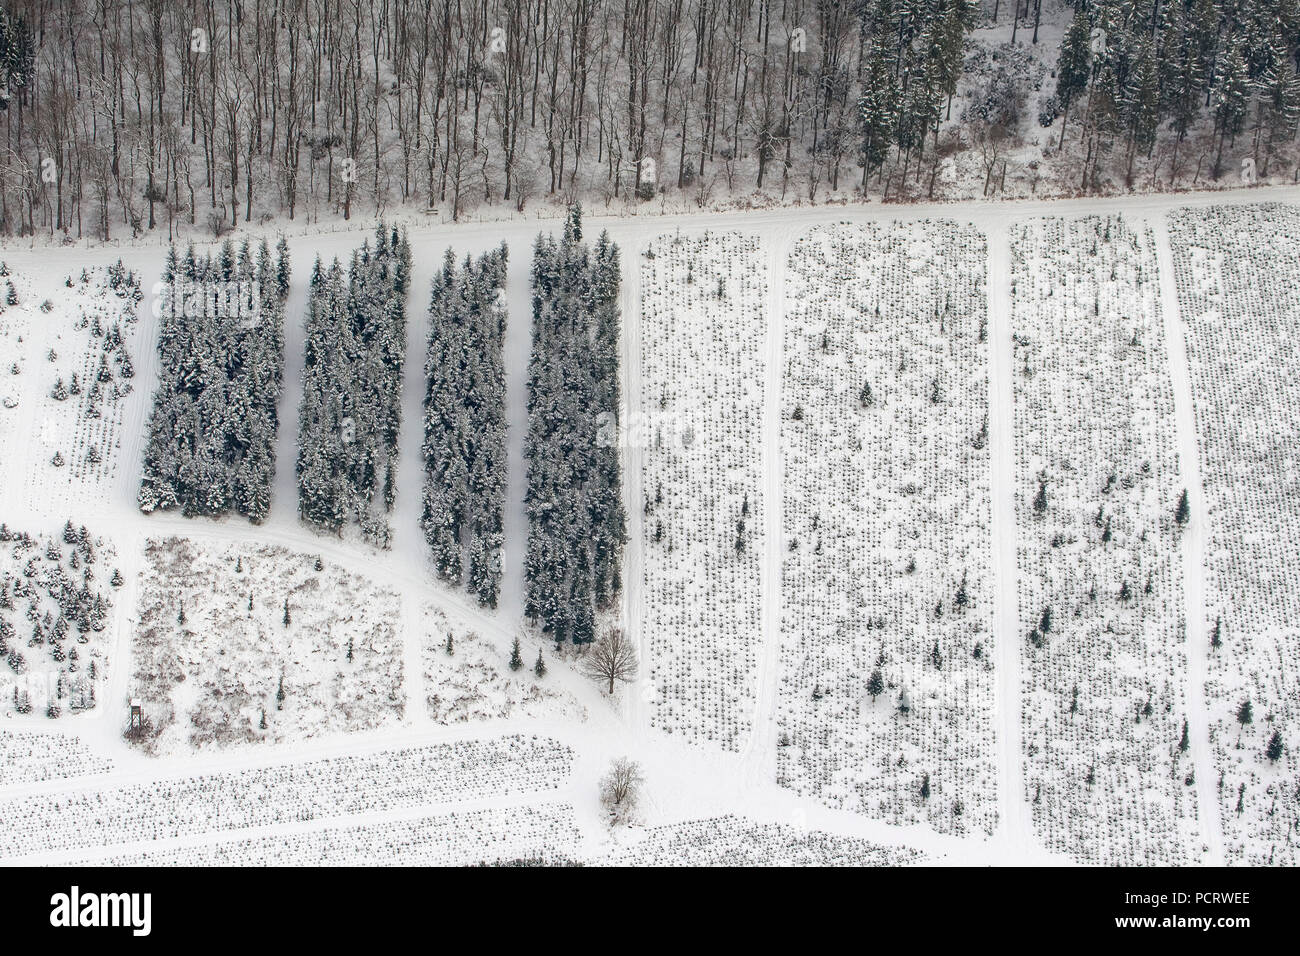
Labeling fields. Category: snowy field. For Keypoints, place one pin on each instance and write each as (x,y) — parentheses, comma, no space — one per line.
(70,354)
(378,782)
(886,689)
(542,834)
(1100,584)
(467,677)
(27,757)
(15,336)
(1238,270)
(732,841)
(247,644)
(698,437)
(791,533)
(87,376)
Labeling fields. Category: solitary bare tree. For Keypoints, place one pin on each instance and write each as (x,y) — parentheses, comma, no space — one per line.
(613,658)
(620,789)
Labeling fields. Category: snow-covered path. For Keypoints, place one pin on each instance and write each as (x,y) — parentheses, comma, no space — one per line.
(632,416)
(684,782)
(1193,551)
(760,751)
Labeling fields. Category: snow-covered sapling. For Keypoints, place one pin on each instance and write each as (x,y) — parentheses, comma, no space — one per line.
(1040,500)
(1274,749)
(1245,714)
(875,684)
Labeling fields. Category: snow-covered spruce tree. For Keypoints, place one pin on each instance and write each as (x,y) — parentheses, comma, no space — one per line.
(221,353)
(1137,66)
(352,378)
(464,423)
(912,60)
(576,524)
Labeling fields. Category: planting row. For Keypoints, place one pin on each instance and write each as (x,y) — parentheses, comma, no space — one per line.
(576,523)
(287,793)
(79,413)
(465,423)
(352,389)
(733,841)
(542,834)
(211,443)
(27,757)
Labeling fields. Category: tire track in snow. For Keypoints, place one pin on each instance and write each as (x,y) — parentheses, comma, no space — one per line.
(760,752)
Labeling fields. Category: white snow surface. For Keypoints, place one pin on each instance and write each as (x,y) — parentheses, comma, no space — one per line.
(535,769)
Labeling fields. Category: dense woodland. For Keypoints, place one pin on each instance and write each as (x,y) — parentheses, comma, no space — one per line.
(465,423)
(1128,70)
(576,523)
(352,388)
(120,117)
(211,444)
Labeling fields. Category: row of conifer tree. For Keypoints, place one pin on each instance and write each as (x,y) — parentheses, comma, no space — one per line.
(211,443)
(576,522)
(465,423)
(213,428)
(351,407)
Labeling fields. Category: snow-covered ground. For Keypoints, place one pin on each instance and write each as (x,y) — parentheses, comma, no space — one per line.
(1237,272)
(240,644)
(398,784)
(698,431)
(29,756)
(71,351)
(1101,609)
(732,841)
(467,679)
(537,835)
(244,799)
(887,650)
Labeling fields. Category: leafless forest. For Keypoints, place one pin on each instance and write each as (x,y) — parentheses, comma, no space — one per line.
(122,116)
(220,112)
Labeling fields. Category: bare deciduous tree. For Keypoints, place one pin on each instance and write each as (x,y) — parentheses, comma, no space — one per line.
(620,789)
(613,658)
